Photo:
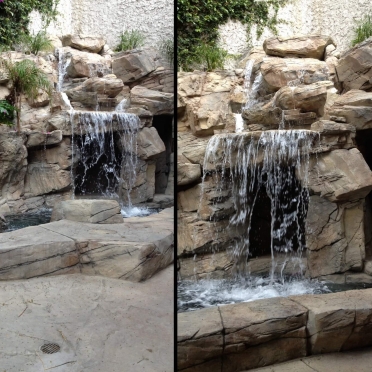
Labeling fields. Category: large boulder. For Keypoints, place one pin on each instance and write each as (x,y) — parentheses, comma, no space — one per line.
(204,100)
(340,175)
(158,103)
(279,72)
(334,237)
(149,143)
(86,43)
(133,65)
(307,98)
(311,46)
(36,138)
(93,211)
(355,107)
(84,64)
(187,173)
(354,69)
(191,147)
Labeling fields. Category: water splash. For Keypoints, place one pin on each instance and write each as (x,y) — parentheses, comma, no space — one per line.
(239,123)
(122,105)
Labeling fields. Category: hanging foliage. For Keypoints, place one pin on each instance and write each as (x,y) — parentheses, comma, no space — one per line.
(14,17)
(198,22)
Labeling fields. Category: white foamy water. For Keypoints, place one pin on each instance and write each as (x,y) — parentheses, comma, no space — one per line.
(127,212)
(239,124)
(193,295)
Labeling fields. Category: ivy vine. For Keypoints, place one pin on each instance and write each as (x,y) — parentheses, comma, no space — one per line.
(198,21)
(14,17)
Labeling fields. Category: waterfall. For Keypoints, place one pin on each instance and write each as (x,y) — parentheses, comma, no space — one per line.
(248,164)
(63,63)
(101,135)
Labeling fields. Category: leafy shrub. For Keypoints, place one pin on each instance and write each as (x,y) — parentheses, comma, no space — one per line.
(6,113)
(167,50)
(35,43)
(14,17)
(210,57)
(198,21)
(130,40)
(26,79)
(363,30)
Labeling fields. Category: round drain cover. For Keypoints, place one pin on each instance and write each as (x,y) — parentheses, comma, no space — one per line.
(50,348)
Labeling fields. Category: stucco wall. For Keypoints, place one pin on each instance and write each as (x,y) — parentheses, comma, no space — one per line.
(331,17)
(108,18)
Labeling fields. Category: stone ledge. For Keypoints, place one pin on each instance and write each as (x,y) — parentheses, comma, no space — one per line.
(240,337)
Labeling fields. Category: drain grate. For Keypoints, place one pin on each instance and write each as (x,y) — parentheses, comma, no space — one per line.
(50,348)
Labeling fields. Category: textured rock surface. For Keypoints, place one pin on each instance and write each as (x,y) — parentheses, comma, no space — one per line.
(158,103)
(341,175)
(187,173)
(355,107)
(134,250)
(86,43)
(243,336)
(203,100)
(278,72)
(73,307)
(149,143)
(311,46)
(354,69)
(35,139)
(93,211)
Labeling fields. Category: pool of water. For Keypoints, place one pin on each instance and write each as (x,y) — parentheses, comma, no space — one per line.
(20,221)
(194,295)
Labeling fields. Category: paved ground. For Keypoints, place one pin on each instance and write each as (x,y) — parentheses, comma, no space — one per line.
(101,324)
(351,361)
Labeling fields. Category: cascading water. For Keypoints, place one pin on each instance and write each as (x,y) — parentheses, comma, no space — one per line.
(244,166)
(105,147)
(63,63)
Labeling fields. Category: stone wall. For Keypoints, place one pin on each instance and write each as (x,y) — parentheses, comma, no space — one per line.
(154,19)
(335,18)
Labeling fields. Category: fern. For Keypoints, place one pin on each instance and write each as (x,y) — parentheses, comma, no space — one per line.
(34,43)
(6,113)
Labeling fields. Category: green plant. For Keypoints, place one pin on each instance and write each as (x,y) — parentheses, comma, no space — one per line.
(166,47)
(198,22)
(6,113)
(210,57)
(35,43)
(26,79)
(14,17)
(363,30)
(130,40)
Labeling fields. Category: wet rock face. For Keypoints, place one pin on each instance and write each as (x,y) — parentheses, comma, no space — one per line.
(312,46)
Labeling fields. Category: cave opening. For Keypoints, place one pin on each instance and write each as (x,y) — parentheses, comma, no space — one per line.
(164,125)
(363,141)
(97,172)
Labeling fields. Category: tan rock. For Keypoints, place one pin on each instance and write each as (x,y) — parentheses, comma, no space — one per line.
(355,106)
(93,211)
(188,200)
(354,68)
(45,178)
(88,43)
(149,143)
(187,173)
(130,66)
(84,64)
(307,98)
(43,139)
(158,103)
(341,175)
(309,46)
(278,72)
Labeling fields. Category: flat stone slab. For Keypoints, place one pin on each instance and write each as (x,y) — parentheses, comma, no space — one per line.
(100,324)
(244,336)
(360,360)
(134,250)
(85,210)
